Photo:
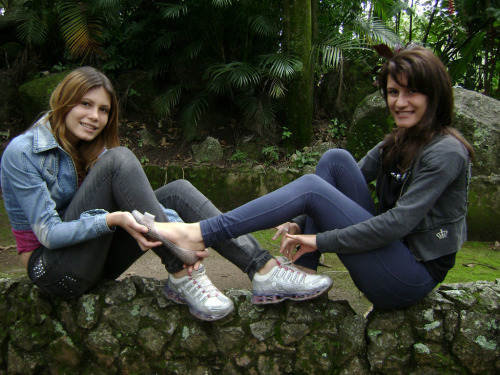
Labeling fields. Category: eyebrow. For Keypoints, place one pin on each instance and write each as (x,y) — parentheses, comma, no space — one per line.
(90,100)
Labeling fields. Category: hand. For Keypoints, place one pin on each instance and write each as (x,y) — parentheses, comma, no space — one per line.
(286,246)
(307,244)
(201,255)
(126,221)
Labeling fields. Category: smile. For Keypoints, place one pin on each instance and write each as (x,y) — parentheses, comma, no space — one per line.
(88,126)
(399,113)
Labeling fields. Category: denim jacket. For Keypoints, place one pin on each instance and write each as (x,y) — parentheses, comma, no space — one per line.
(430,213)
(39,180)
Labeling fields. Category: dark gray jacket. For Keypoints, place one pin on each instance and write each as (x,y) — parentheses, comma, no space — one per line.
(430,212)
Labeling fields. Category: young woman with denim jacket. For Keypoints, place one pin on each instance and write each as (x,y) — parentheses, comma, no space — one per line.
(69,191)
(399,253)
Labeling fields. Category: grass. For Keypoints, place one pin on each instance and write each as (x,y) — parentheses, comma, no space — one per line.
(475,261)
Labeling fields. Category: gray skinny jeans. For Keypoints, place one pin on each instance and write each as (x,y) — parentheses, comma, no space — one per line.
(117,183)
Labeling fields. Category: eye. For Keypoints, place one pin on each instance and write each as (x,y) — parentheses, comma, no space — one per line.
(392,92)
(104,110)
(85,103)
(413,91)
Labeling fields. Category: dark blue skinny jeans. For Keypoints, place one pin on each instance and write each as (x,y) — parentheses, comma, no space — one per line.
(335,197)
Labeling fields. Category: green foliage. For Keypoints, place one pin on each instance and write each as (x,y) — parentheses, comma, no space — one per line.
(305,157)
(271,152)
(286,134)
(336,129)
(239,156)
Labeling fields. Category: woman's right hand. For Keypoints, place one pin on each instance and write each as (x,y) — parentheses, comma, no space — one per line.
(286,247)
(126,221)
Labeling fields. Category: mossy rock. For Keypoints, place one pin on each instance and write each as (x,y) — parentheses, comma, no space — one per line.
(34,95)
(483,213)
(370,123)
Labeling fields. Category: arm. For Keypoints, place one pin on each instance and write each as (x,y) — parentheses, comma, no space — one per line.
(34,201)
(438,167)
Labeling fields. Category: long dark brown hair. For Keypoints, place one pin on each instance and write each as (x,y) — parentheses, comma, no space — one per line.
(419,68)
(66,96)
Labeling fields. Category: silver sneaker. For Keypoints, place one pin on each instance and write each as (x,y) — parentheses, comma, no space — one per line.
(287,282)
(205,301)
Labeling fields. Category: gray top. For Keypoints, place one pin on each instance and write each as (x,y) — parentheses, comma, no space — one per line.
(430,212)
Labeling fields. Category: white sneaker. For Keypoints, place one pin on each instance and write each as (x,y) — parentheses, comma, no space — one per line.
(285,281)
(205,301)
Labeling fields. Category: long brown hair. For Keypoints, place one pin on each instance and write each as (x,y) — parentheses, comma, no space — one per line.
(421,69)
(66,96)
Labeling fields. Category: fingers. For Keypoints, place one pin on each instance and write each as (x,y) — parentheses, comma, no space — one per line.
(194,267)
(283,228)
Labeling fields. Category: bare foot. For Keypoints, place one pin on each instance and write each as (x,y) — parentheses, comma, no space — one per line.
(187,236)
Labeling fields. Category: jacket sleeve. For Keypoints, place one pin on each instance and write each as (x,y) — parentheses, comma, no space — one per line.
(33,198)
(438,167)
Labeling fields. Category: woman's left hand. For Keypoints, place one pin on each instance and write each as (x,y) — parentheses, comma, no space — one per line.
(126,221)
(307,244)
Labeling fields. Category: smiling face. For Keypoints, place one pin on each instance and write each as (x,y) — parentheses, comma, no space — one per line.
(87,119)
(407,105)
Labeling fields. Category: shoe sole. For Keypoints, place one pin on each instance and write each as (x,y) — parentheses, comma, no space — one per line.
(271,298)
(175,297)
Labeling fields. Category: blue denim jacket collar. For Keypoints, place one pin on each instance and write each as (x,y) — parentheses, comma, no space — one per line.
(43,138)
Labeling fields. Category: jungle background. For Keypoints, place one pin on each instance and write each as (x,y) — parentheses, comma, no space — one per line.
(278,73)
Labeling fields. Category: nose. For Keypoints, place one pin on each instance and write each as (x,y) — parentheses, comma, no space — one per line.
(93,113)
(401,100)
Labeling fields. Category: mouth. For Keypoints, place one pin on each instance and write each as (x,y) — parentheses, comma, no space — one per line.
(404,113)
(88,126)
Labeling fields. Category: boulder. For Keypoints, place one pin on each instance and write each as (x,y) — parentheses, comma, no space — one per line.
(208,150)
(477,117)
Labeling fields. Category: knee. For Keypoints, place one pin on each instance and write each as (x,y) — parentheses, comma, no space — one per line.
(181,185)
(175,188)
(122,157)
(336,156)
(310,180)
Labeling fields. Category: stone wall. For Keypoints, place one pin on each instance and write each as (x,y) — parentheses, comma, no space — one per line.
(128,327)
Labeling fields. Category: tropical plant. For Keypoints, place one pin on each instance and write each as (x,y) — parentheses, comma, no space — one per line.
(237,63)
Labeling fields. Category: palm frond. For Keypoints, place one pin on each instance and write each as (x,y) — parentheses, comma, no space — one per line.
(256,108)
(167,39)
(32,27)
(263,25)
(191,114)
(221,3)
(280,65)
(277,87)
(238,74)
(80,30)
(173,11)
(165,103)
(374,31)
(459,66)
(331,51)
(192,50)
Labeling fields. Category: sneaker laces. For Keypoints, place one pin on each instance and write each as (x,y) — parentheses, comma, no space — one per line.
(203,284)
(288,273)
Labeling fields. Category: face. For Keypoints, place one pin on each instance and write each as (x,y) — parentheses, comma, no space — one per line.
(406,104)
(86,120)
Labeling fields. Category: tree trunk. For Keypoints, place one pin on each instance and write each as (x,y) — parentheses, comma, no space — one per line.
(297,33)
